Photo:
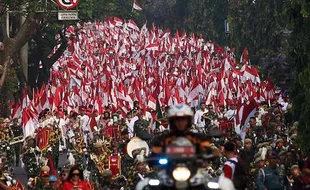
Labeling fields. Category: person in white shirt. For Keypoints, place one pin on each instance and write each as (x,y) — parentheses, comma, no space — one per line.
(130,123)
(84,123)
(199,119)
(231,113)
(61,124)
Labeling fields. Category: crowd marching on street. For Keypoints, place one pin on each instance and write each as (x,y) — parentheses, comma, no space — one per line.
(114,86)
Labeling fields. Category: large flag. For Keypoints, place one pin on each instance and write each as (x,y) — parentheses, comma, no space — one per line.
(244,113)
(27,123)
(136,6)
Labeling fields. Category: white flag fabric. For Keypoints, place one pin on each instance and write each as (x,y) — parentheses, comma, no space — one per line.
(136,6)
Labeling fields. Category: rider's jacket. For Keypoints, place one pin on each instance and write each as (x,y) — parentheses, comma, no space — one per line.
(201,141)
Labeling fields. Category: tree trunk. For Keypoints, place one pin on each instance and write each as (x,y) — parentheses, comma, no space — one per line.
(6,63)
(13,45)
(24,49)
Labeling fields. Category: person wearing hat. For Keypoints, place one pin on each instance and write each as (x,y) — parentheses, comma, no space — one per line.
(247,153)
(53,181)
(43,182)
(279,145)
(16,132)
(30,157)
(269,178)
(98,163)
(141,169)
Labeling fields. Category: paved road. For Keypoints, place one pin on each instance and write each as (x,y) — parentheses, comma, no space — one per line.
(22,175)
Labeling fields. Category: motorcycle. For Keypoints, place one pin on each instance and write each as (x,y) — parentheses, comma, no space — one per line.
(180,168)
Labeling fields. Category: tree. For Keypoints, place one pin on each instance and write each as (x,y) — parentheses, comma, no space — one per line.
(118,8)
(13,43)
(299,59)
(41,27)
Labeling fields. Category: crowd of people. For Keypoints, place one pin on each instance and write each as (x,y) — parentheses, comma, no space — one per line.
(98,157)
(114,85)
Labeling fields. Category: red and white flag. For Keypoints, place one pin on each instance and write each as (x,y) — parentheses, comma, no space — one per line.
(152,102)
(244,113)
(136,6)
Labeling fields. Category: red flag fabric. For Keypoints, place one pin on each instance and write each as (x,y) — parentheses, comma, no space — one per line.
(93,123)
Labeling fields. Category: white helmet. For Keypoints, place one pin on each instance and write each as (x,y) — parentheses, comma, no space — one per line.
(180,110)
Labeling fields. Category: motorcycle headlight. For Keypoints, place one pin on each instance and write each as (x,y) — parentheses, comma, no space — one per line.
(213,185)
(154,182)
(163,161)
(181,174)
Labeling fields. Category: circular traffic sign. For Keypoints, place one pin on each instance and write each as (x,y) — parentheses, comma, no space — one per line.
(67,4)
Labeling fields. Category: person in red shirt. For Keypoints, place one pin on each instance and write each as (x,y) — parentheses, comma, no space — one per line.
(75,180)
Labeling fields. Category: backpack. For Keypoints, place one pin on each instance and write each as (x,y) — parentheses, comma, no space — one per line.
(239,178)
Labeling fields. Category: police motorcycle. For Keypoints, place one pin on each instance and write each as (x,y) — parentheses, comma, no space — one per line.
(180,168)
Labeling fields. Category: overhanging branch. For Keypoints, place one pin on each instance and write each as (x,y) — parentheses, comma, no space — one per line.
(25,32)
(3,27)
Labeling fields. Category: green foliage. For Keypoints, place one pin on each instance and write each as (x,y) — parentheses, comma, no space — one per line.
(207,17)
(299,59)
(119,8)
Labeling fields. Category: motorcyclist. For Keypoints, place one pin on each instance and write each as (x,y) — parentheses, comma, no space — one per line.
(180,119)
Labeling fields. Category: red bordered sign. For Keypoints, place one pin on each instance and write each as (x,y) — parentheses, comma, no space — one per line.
(67,4)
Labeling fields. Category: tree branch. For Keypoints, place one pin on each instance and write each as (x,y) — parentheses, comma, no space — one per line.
(25,32)
(58,53)
(7,61)
(3,27)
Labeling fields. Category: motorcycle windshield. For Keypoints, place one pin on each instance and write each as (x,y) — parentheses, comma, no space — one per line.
(181,148)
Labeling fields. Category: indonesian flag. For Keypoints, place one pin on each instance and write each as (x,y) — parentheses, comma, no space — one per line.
(136,6)
(27,123)
(244,60)
(93,123)
(152,47)
(244,113)
(152,103)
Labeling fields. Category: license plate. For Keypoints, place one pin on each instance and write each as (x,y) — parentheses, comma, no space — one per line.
(180,150)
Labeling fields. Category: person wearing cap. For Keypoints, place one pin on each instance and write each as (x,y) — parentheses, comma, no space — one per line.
(247,153)
(43,182)
(53,181)
(269,178)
